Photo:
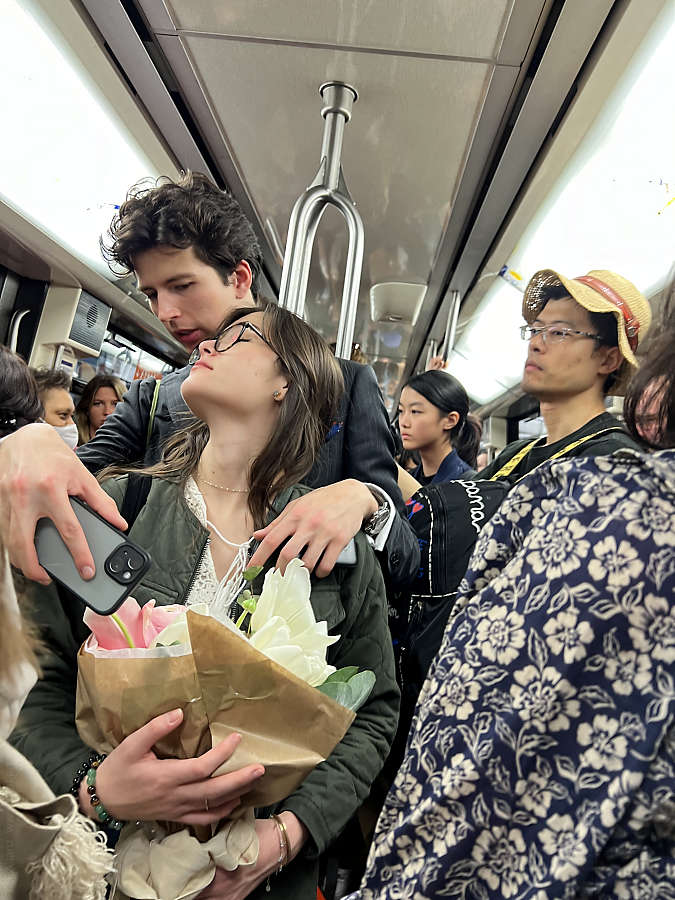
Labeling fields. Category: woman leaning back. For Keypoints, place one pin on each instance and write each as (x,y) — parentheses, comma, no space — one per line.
(541,762)
(264,393)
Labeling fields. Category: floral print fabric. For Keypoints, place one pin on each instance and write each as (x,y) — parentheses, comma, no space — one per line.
(541,762)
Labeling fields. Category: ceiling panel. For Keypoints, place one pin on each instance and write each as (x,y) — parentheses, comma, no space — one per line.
(446,27)
(403,153)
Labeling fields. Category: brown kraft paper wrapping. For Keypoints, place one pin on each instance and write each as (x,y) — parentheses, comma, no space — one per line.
(224,685)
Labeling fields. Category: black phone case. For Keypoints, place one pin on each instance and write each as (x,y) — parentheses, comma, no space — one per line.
(103,593)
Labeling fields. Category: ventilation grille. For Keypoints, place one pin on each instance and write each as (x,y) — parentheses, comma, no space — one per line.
(90,322)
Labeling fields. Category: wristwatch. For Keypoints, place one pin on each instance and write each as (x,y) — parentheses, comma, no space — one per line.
(374,525)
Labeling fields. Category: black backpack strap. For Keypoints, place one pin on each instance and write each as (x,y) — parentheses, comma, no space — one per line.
(138,488)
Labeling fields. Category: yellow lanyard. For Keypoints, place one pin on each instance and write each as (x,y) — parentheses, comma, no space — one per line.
(509,466)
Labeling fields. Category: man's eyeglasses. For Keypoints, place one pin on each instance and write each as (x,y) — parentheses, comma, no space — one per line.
(555,334)
(230,336)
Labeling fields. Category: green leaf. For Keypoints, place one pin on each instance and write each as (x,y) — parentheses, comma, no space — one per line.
(361,685)
(252,572)
(339,691)
(342,674)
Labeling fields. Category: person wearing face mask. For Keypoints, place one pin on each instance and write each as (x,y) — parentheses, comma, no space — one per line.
(19,400)
(98,401)
(54,390)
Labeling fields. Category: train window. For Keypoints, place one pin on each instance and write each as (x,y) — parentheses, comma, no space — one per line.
(120,357)
(612,207)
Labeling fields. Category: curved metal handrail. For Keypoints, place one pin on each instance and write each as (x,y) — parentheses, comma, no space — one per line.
(328,188)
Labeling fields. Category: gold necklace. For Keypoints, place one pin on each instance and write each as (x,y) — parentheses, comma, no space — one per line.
(221,487)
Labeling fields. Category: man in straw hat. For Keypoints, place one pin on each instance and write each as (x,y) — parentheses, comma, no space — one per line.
(582,335)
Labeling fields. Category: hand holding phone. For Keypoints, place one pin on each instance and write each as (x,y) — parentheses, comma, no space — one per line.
(120,563)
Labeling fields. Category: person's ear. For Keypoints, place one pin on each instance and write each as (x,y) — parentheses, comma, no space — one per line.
(611,362)
(448,422)
(242,278)
(280,393)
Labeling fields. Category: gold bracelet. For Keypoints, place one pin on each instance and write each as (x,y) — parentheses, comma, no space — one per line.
(284,837)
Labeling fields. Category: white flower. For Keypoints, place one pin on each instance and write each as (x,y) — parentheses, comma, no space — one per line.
(534,794)
(627,671)
(617,565)
(284,628)
(565,844)
(544,698)
(441,826)
(557,549)
(566,635)
(500,635)
(648,517)
(501,858)
(458,776)
(412,855)
(619,793)
(456,692)
(653,628)
(606,748)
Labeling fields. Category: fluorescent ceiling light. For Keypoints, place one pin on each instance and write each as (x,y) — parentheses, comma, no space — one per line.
(613,207)
(65,157)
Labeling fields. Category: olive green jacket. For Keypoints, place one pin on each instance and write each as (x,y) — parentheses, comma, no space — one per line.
(351,600)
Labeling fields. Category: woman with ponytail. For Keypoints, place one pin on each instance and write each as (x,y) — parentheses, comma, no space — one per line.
(433,420)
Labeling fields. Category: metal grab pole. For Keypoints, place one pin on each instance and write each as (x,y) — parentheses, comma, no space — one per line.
(327,188)
(451,327)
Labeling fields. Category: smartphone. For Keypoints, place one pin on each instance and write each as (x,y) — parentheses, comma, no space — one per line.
(347,556)
(120,564)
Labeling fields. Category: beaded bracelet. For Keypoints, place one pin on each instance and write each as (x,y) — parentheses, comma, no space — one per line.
(104,816)
(88,770)
(83,769)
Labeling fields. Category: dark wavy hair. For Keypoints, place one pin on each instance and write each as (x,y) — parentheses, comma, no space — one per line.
(447,394)
(19,400)
(305,416)
(190,212)
(656,379)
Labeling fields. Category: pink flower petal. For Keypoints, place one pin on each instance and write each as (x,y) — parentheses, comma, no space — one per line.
(156,619)
(108,633)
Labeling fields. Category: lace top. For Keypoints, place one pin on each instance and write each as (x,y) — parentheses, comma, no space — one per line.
(217,595)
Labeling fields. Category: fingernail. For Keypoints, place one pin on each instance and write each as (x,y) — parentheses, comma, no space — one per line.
(87,572)
(237,737)
(174,716)
(258,772)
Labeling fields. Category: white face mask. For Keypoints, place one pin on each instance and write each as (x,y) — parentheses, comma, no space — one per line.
(68,433)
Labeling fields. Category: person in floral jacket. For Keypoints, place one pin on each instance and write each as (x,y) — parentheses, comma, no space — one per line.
(541,762)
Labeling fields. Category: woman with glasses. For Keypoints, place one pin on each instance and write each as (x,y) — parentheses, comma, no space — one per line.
(264,394)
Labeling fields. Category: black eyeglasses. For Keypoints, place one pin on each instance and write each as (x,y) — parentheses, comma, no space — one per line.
(556,334)
(228,337)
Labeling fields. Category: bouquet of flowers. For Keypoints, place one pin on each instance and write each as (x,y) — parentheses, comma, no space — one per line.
(271,684)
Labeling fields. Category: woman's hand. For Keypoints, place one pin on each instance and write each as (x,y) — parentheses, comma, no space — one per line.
(133,784)
(240,883)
